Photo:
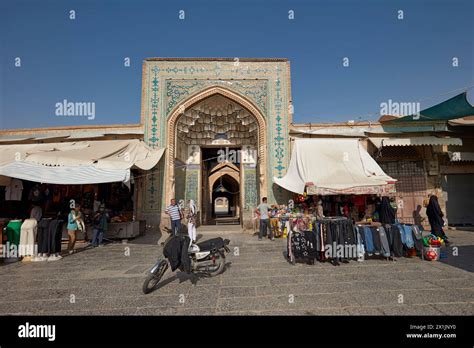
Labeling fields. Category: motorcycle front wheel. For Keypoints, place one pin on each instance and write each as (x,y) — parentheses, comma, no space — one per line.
(153,279)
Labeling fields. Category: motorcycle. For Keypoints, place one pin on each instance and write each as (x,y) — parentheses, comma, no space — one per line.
(207,258)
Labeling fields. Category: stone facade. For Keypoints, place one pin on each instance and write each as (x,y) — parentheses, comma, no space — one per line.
(169,86)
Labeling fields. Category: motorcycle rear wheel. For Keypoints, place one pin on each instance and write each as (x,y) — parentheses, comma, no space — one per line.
(220,267)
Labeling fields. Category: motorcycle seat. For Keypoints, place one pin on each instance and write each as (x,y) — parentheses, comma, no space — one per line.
(214,243)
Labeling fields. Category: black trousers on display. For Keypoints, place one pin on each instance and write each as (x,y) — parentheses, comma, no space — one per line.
(43,236)
(55,236)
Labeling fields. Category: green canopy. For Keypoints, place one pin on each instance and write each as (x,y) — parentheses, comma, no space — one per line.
(451,109)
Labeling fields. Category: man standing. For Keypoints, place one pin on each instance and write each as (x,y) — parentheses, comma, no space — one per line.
(262,212)
(100,226)
(176,214)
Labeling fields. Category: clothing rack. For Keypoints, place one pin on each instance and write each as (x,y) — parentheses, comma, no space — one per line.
(330,239)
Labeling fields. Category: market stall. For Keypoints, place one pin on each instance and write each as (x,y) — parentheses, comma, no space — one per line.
(55,176)
(338,188)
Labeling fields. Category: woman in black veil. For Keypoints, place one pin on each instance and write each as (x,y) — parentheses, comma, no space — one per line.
(386,212)
(435,217)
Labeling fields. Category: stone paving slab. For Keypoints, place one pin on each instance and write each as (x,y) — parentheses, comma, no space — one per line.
(258,281)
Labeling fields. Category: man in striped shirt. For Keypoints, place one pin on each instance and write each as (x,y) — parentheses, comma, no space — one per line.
(176,214)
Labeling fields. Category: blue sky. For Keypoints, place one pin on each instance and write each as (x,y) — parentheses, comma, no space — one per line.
(82,60)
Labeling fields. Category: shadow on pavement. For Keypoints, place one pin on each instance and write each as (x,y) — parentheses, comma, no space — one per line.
(461,258)
(183,277)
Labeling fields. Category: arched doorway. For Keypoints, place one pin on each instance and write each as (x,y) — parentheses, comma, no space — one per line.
(221,206)
(225,200)
(211,124)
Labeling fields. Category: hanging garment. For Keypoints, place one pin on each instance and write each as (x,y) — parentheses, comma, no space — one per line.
(14,190)
(3,229)
(376,240)
(384,241)
(43,236)
(317,234)
(299,245)
(347,241)
(369,241)
(275,226)
(55,233)
(330,238)
(28,237)
(36,213)
(406,234)
(417,238)
(360,245)
(338,238)
(13,232)
(312,244)
(284,226)
(395,240)
(35,195)
(322,241)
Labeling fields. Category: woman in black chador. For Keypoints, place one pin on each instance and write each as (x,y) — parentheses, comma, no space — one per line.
(435,217)
(386,212)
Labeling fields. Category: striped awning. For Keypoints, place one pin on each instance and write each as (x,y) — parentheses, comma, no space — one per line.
(415,141)
(84,162)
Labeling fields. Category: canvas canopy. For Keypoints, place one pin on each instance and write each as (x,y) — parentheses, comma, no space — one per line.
(451,109)
(334,166)
(85,162)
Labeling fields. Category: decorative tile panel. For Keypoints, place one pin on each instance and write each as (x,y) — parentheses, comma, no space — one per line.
(192,183)
(250,187)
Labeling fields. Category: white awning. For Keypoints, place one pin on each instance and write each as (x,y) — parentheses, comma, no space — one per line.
(84,162)
(415,141)
(334,166)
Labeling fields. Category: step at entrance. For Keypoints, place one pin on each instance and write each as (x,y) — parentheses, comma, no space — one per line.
(216,229)
(228,221)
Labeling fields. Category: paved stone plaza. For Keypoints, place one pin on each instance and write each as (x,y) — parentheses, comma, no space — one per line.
(257,281)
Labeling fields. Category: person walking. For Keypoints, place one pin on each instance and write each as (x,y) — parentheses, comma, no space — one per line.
(192,215)
(100,226)
(176,215)
(262,213)
(74,223)
(435,217)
